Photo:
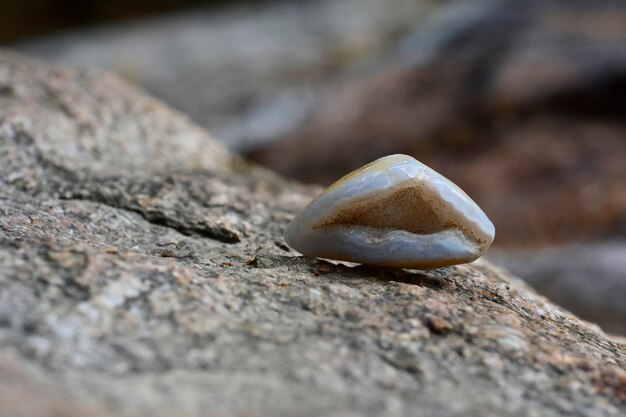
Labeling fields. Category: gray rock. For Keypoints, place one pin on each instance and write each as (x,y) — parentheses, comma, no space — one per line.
(250,73)
(143,272)
(589,278)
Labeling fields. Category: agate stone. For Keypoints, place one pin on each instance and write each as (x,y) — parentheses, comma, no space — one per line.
(394,212)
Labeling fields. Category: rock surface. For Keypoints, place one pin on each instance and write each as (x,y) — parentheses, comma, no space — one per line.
(143,272)
(514,101)
(589,278)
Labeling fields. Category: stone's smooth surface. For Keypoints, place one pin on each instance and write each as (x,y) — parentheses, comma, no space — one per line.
(123,292)
(396,212)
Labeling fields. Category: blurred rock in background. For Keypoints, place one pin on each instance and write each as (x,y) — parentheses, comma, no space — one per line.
(519,102)
(19,18)
(250,73)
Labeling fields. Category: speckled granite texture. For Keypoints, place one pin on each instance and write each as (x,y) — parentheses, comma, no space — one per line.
(143,272)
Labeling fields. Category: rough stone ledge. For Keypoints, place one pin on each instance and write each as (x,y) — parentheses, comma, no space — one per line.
(143,272)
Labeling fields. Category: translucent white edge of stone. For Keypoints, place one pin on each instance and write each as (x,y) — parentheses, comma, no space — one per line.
(366,245)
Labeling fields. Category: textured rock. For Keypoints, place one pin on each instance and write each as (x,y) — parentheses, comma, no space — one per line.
(512,100)
(589,278)
(142,271)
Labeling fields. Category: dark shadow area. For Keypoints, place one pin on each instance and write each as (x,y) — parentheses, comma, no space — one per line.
(25,18)
(321,267)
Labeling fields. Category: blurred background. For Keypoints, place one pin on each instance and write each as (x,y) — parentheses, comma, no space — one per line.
(521,103)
